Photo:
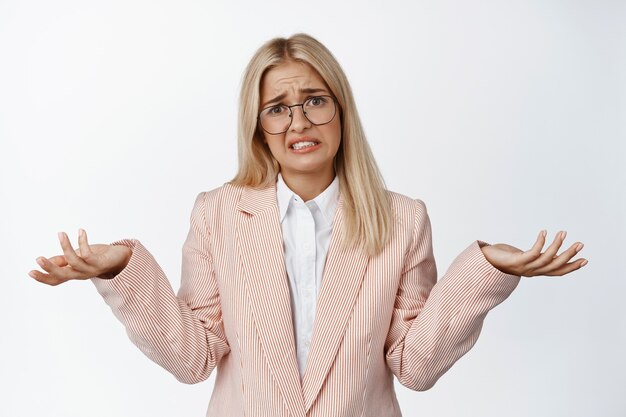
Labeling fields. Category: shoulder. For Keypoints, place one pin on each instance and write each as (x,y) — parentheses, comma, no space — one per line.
(232,197)
(224,193)
(217,206)
(219,198)
(402,204)
(408,212)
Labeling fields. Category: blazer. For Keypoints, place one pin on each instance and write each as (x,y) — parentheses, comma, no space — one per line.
(376,316)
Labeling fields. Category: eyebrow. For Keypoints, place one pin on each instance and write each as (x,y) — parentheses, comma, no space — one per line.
(302,90)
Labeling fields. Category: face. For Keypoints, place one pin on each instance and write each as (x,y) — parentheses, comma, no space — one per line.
(315,145)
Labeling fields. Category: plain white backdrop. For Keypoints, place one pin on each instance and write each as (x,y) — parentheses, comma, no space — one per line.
(114,115)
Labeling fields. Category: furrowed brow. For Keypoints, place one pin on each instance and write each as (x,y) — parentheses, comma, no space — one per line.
(275,99)
(302,90)
(313,90)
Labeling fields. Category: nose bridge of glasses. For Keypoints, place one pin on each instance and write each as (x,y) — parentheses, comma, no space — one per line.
(301,105)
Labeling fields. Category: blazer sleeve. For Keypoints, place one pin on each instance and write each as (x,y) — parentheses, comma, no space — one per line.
(185,333)
(434,323)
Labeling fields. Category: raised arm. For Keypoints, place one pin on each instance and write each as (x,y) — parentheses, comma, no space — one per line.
(436,322)
(184,333)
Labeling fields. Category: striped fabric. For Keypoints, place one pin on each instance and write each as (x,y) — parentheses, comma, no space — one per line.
(376,316)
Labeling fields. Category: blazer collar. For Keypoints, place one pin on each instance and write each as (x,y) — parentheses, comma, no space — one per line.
(257,200)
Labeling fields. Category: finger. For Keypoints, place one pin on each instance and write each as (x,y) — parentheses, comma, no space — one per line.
(550,252)
(562,259)
(70,254)
(53,270)
(567,268)
(58,260)
(534,252)
(85,250)
(45,278)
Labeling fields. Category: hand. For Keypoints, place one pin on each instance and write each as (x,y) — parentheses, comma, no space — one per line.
(511,260)
(104,261)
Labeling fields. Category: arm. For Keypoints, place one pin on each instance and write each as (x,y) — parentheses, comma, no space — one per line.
(184,334)
(435,323)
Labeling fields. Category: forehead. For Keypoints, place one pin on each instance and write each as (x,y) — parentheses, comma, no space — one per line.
(289,77)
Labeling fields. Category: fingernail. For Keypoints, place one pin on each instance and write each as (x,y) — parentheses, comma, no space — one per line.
(583,263)
(544,232)
(81,232)
(579,247)
(31,274)
(60,235)
(563,234)
(40,261)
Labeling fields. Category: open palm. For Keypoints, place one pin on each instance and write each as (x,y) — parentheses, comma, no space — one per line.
(88,261)
(533,262)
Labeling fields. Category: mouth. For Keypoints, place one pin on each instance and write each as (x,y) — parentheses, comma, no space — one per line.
(303,143)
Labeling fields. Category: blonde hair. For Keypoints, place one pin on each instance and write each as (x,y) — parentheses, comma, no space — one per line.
(366,203)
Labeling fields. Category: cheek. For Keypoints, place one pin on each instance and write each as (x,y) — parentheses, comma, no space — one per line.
(275,145)
(335,134)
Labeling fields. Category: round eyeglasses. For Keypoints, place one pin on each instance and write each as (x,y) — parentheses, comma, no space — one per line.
(318,110)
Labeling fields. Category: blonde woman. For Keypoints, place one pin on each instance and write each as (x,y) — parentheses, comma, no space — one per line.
(304,281)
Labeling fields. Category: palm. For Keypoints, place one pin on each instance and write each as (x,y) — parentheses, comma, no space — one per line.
(88,261)
(533,262)
(100,255)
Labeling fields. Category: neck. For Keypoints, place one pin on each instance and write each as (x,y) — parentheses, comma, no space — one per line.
(308,185)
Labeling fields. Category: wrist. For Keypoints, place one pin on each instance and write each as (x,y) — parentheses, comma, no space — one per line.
(124,254)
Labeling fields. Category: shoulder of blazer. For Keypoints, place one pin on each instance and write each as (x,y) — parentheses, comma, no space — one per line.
(407,210)
(218,205)
(223,196)
(229,199)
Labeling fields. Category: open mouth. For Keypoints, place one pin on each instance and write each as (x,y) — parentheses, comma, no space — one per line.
(303,144)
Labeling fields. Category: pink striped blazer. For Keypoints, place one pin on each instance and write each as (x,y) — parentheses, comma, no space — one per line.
(376,316)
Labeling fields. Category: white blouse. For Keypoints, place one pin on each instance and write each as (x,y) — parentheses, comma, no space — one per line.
(307,228)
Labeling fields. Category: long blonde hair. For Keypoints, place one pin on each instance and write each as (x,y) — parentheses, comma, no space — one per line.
(366,204)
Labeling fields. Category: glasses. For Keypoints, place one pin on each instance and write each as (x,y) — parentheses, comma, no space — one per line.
(318,110)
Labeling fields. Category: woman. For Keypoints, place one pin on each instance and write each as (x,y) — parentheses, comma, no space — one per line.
(304,281)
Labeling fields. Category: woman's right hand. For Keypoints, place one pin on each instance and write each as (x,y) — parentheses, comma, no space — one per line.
(88,261)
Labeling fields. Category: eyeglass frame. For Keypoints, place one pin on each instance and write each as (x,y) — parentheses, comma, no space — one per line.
(301,105)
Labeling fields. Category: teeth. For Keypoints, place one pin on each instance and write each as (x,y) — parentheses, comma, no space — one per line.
(302,145)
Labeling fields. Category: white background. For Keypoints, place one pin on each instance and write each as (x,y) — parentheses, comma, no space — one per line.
(505,117)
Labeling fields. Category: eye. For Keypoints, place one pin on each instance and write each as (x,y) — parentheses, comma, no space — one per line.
(317,101)
(275,110)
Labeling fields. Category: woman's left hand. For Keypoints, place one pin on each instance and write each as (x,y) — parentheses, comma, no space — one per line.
(511,260)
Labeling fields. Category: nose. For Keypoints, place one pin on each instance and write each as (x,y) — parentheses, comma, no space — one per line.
(299,122)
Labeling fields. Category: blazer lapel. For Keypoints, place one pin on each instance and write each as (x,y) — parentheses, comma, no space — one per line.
(343,274)
(260,243)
